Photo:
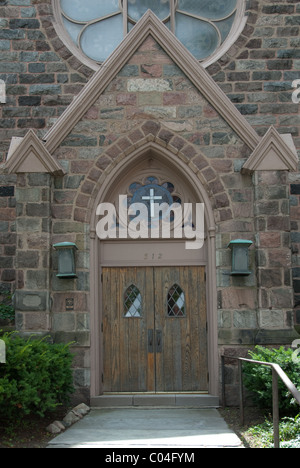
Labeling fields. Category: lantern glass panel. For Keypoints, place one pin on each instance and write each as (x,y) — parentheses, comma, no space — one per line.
(240,256)
(66,261)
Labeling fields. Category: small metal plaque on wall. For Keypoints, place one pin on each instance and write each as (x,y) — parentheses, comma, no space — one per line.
(70,303)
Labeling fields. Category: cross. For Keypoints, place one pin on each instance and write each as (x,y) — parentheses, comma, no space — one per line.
(152,199)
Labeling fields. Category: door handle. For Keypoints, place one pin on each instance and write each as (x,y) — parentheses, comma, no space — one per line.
(158,341)
(150,341)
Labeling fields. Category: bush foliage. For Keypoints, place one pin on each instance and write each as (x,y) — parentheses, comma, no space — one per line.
(7,311)
(36,378)
(289,433)
(258,379)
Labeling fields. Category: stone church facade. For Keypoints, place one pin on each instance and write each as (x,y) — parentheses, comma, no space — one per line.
(225,134)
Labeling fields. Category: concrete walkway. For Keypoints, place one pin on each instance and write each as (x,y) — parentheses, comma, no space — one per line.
(136,428)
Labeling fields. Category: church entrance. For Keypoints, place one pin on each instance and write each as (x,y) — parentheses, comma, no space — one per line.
(154,329)
(153,298)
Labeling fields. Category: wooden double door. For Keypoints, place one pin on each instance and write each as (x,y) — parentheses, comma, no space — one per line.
(154,329)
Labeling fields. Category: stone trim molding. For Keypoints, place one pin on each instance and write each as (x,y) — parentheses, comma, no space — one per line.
(273,153)
(31,156)
(150,25)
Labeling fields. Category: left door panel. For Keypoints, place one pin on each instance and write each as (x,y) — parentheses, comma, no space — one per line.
(128,318)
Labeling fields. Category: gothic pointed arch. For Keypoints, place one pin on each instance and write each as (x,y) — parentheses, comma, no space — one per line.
(150,141)
(153,137)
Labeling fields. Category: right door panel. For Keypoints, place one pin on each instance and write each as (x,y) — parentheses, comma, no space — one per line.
(180,329)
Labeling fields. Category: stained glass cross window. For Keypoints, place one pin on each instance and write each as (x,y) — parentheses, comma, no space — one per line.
(152,199)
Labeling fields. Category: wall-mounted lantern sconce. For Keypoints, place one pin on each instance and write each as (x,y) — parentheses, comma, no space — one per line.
(66,259)
(240,257)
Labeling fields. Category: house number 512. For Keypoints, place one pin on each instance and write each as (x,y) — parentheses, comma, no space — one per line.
(153,256)
(296,93)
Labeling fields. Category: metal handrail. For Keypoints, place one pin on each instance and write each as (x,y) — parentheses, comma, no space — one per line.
(276,372)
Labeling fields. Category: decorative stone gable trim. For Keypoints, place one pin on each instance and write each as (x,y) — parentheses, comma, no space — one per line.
(272,154)
(30,155)
(150,25)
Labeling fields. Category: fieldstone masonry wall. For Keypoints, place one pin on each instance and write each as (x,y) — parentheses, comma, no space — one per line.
(33,225)
(151,98)
(7,233)
(295,243)
(272,220)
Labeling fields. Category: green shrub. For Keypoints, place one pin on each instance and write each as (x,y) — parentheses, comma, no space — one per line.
(258,379)
(36,378)
(289,433)
(7,311)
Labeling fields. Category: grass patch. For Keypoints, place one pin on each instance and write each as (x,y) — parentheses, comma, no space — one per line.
(257,431)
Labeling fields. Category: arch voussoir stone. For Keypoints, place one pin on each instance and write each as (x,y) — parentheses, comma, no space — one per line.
(146,136)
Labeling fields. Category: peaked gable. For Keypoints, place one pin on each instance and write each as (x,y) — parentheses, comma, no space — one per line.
(150,25)
(272,154)
(30,155)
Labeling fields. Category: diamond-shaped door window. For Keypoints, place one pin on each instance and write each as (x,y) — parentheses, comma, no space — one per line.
(176,302)
(132,302)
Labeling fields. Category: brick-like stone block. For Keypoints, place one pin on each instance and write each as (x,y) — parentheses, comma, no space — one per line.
(282,298)
(235,298)
(28,259)
(270,278)
(65,321)
(278,223)
(36,322)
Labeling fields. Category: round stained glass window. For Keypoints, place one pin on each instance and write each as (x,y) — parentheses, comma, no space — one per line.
(96,27)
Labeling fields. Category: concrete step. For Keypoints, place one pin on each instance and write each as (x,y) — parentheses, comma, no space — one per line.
(149,428)
(176,400)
